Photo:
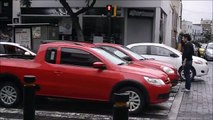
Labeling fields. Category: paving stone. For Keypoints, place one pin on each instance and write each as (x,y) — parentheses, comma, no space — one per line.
(198,104)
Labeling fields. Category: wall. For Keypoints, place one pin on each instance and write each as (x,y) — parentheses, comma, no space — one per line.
(166,4)
(187,27)
(99,3)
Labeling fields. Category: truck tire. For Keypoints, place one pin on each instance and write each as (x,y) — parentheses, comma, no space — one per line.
(136,99)
(10,95)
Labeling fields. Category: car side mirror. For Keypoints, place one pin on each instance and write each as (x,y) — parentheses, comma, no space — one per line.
(173,55)
(127,58)
(99,65)
(27,53)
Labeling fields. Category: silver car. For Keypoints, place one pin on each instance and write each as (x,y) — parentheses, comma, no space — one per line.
(209,51)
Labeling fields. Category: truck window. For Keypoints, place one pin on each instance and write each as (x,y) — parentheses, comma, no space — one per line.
(50,56)
(77,57)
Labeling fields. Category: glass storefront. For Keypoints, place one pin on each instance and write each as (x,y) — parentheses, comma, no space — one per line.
(97,27)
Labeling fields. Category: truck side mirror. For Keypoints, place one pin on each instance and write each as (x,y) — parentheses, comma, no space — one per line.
(99,65)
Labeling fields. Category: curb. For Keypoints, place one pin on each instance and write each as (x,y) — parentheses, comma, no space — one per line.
(176,104)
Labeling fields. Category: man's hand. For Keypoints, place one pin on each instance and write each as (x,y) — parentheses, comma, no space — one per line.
(184,62)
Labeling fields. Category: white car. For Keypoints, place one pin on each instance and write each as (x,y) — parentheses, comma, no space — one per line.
(209,51)
(170,55)
(9,48)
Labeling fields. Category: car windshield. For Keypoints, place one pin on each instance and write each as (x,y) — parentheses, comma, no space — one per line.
(135,55)
(210,46)
(112,58)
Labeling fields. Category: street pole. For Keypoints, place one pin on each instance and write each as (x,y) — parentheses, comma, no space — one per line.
(29,97)
(120,107)
(109,26)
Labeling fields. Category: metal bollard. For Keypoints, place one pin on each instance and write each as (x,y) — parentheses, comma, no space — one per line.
(120,107)
(29,97)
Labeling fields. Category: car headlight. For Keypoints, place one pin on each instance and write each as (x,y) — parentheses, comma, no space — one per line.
(197,61)
(168,70)
(154,81)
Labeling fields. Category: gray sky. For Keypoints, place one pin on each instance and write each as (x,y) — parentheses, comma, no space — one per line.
(194,10)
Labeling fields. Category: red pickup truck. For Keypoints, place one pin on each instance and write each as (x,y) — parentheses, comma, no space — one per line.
(72,70)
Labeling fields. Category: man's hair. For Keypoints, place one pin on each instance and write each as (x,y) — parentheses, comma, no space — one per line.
(187,36)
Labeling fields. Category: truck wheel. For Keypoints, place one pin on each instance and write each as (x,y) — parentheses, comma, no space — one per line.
(10,95)
(136,99)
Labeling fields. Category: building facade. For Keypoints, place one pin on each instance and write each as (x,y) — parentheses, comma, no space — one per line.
(197,32)
(187,27)
(176,7)
(5,18)
(135,20)
(207,26)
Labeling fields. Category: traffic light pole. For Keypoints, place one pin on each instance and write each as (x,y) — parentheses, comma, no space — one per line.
(109,27)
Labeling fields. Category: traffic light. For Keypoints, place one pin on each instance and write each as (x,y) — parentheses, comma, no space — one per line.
(109,10)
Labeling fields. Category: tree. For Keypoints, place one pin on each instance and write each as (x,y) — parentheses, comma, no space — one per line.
(73,15)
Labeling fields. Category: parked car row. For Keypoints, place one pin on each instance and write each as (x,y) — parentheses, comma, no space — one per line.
(82,71)
(96,71)
(172,56)
(128,55)
(209,51)
(203,50)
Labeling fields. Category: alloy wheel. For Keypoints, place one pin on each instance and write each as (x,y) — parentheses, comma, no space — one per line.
(8,95)
(134,101)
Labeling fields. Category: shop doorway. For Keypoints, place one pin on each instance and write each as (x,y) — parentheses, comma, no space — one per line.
(95,29)
(139,30)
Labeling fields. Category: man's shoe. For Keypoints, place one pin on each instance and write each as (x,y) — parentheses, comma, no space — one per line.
(187,90)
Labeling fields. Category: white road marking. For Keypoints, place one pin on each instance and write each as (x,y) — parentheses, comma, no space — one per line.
(1,118)
(56,114)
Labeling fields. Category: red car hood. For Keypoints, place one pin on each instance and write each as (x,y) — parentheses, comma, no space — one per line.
(144,71)
(155,63)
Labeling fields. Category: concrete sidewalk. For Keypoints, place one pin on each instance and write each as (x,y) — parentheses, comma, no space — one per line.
(198,103)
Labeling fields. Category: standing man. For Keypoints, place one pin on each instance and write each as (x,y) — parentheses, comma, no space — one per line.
(188,51)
